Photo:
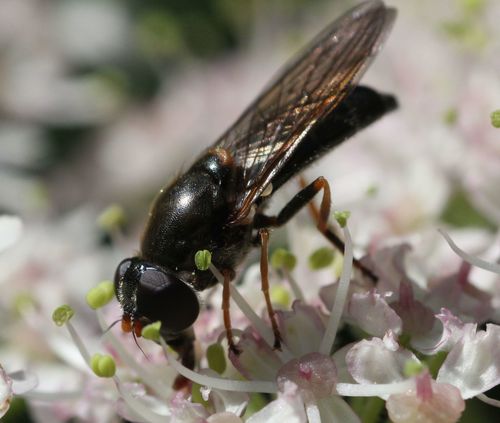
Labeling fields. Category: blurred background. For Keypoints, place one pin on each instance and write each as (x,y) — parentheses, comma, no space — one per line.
(102,102)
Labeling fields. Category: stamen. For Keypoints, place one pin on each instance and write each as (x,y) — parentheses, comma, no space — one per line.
(342,290)
(79,343)
(218,382)
(488,400)
(146,377)
(312,411)
(369,390)
(475,261)
(297,291)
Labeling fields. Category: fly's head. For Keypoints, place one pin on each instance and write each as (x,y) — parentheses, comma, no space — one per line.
(149,293)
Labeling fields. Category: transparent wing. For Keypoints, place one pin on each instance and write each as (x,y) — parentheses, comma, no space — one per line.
(307,89)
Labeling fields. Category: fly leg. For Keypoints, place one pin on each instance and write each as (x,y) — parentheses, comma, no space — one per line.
(301,199)
(264,275)
(226,297)
(334,238)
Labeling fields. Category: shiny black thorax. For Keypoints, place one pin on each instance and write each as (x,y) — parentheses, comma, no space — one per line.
(193,214)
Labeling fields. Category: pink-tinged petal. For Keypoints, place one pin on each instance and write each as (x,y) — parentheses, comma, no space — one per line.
(328,293)
(314,374)
(371,313)
(429,402)
(6,393)
(442,337)
(388,265)
(417,318)
(456,293)
(225,417)
(301,329)
(256,361)
(186,411)
(378,361)
(335,409)
(288,407)
(473,364)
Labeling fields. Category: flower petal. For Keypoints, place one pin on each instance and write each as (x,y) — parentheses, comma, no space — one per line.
(257,361)
(442,404)
(378,361)
(335,409)
(442,338)
(314,374)
(473,364)
(371,313)
(288,407)
(301,329)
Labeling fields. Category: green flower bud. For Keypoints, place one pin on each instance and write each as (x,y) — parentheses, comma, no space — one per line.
(341,217)
(151,331)
(100,295)
(282,258)
(495,118)
(202,259)
(111,218)
(321,258)
(280,296)
(103,365)
(62,314)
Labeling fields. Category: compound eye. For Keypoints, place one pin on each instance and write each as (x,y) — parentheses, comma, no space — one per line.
(120,271)
(163,297)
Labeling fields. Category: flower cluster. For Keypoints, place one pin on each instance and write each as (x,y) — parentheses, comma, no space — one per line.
(385,340)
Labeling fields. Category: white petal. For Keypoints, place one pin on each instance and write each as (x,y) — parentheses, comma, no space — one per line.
(376,361)
(289,409)
(10,230)
(371,313)
(335,409)
(473,365)
(23,382)
(443,337)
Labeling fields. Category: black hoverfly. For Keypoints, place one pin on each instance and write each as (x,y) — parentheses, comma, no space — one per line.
(313,105)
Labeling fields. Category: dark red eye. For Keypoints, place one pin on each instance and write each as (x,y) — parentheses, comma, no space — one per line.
(163,297)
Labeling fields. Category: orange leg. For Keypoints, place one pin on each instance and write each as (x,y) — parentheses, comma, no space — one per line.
(264,274)
(319,217)
(226,297)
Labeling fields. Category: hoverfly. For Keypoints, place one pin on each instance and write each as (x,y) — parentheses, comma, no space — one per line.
(313,105)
